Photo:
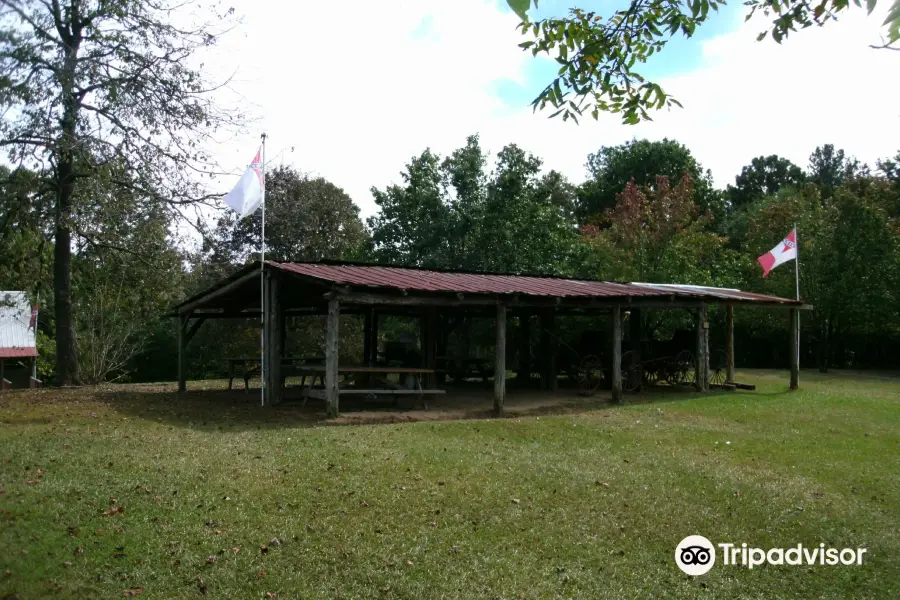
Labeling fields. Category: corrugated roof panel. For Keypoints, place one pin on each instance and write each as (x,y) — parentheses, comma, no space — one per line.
(15,315)
(471,283)
(423,280)
(18,352)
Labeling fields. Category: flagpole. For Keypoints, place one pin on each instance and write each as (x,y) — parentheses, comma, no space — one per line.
(262,285)
(797,275)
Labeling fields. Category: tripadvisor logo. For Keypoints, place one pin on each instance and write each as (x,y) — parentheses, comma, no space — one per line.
(696,555)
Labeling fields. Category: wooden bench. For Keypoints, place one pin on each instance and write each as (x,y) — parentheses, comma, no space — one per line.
(286,363)
(369,375)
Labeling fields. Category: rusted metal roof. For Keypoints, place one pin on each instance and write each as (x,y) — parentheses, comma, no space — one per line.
(719,293)
(18,352)
(423,280)
(16,338)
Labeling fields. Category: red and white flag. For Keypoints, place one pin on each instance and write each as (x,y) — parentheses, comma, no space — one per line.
(780,254)
(249,193)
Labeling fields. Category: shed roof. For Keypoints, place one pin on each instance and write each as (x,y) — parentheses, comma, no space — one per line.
(16,338)
(390,279)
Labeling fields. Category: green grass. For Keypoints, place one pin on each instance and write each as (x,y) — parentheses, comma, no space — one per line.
(588,504)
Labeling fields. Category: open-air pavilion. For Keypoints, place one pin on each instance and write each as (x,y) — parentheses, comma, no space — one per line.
(333,289)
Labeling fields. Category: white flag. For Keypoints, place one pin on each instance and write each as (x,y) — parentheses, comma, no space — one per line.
(249,192)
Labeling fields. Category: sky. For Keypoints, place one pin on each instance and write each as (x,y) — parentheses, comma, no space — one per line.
(351,91)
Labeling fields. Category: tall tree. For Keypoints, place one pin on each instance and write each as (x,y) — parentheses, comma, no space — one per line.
(830,167)
(88,83)
(465,182)
(654,234)
(307,218)
(598,55)
(641,161)
(764,176)
(525,228)
(452,214)
(414,219)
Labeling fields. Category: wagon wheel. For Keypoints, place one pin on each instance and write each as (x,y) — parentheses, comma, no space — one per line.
(651,373)
(669,371)
(717,369)
(630,370)
(590,374)
(684,367)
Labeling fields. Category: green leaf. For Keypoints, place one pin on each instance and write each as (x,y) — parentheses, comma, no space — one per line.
(520,7)
(870,6)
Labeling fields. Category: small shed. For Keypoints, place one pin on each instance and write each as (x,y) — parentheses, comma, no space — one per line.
(18,348)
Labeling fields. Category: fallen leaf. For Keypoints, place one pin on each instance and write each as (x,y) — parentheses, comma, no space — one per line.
(271,594)
(114,510)
(516,500)
(130,593)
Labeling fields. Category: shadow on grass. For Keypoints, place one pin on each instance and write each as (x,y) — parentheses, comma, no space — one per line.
(222,409)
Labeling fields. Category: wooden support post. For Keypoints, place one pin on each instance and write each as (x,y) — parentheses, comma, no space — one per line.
(274,351)
(729,344)
(181,324)
(367,337)
(544,351)
(523,372)
(373,343)
(431,345)
(500,361)
(617,395)
(636,374)
(701,371)
(795,349)
(331,358)
(554,350)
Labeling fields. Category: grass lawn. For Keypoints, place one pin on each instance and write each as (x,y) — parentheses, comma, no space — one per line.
(127,490)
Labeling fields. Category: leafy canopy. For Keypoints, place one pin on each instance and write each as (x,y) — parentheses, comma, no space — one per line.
(599,57)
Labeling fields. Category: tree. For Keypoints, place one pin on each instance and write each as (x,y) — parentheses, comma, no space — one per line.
(849,253)
(764,176)
(307,219)
(524,228)
(89,83)
(597,57)
(24,247)
(451,214)
(655,234)
(414,220)
(641,161)
(828,168)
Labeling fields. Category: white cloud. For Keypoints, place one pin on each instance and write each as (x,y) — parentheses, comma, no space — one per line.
(359,87)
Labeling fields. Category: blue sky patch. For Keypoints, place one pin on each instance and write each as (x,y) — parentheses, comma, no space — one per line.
(680,55)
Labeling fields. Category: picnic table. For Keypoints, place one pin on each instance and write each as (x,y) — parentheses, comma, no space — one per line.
(254,362)
(362,381)
(461,368)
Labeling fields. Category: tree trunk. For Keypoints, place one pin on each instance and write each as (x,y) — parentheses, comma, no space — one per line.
(823,349)
(66,366)
(66,358)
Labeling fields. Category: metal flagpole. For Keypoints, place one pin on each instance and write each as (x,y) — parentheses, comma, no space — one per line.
(797,275)
(262,285)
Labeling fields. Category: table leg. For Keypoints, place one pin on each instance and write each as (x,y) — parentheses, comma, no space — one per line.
(421,396)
